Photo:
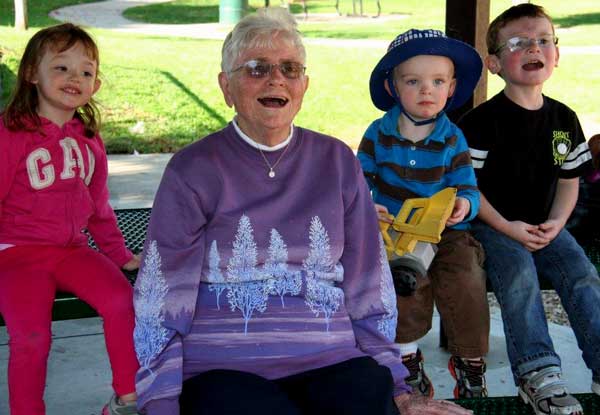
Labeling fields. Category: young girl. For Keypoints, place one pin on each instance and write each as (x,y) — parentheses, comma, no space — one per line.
(53,184)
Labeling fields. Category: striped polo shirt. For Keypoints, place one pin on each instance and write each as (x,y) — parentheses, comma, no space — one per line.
(397,169)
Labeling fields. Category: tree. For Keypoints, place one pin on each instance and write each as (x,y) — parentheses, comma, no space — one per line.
(284,281)
(246,290)
(21,19)
(321,295)
(150,335)
(242,264)
(215,276)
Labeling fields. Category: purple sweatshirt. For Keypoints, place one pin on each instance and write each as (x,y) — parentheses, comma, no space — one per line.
(273,276)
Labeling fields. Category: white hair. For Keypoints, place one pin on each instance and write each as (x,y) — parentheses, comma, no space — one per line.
(258,30)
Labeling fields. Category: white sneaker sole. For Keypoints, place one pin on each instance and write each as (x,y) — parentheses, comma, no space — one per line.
(566,410)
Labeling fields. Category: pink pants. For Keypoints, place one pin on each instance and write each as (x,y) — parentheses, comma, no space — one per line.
(29,278)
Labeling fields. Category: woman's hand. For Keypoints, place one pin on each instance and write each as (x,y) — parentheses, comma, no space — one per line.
(417,404)
(133,264)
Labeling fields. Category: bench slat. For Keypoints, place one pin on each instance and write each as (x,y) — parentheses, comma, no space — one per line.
(513,405)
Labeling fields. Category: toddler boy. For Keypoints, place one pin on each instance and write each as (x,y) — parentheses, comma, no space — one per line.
(414,151)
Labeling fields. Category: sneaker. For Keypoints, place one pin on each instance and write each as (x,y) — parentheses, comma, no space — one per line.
(417,378)
(547,393)
(469,376)
(115,407)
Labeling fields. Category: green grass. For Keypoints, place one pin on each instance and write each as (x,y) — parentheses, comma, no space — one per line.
(180,12)
(170,84)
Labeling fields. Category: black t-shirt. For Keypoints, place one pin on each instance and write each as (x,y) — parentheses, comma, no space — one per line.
(519,154)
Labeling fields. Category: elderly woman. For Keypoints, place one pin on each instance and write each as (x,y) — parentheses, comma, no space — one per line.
(265,288)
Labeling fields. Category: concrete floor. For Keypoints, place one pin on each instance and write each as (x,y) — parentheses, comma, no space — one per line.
(79,380)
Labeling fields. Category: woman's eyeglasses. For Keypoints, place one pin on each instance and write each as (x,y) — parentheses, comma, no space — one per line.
(259,69)
(519,43)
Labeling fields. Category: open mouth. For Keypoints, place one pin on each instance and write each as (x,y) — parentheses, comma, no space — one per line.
(72,91)
(533,65)
(273,102)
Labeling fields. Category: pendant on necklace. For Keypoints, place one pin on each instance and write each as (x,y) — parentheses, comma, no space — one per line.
(271,173)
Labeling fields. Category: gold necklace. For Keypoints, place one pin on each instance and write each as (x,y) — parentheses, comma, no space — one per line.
(272,167)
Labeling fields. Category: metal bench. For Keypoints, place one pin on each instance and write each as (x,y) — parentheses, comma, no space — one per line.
(133,224)
(512,405)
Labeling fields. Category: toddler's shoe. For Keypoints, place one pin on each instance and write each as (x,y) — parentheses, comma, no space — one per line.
(547,393)
(417,378)
(115,407)
(469,376)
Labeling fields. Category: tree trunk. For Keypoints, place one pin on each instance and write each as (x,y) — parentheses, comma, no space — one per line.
(21,22)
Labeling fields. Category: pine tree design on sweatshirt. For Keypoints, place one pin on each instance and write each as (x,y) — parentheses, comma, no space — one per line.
(247,291)
(321,295)
(150,336)
(215,276)
(284,281)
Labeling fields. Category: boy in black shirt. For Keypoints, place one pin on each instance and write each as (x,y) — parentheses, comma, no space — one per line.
(528,152)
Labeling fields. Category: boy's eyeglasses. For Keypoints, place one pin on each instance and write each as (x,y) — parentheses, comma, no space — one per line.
(519,43)
(259,69)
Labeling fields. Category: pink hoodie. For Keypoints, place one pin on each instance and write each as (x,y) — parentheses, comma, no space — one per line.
(52,186)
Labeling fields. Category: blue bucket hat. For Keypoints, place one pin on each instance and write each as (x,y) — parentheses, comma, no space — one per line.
(467,65)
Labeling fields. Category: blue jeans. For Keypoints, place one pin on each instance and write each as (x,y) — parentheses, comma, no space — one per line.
(513,270)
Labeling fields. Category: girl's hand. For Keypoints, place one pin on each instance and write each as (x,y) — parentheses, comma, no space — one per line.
(133,264)
(417,404)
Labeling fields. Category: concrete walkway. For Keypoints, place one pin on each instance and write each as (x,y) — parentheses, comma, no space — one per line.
(133,179)
(108,15)
(79,380)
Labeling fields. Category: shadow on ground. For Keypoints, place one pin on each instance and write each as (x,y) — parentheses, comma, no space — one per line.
(578,20)
(168,114)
